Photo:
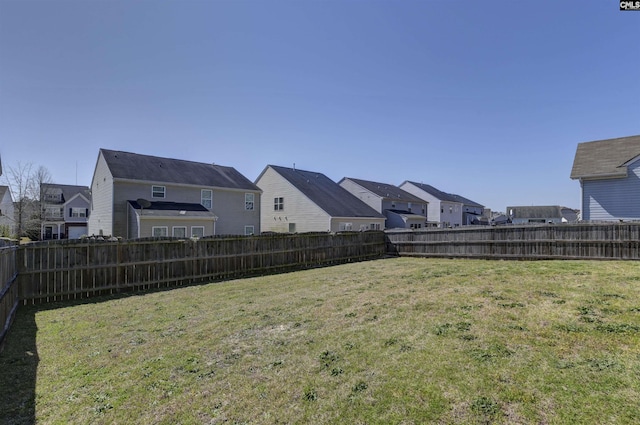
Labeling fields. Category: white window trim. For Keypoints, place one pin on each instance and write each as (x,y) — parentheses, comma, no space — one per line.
(345,226)
(197,227)
(153,231)
(203,199)
(77,212)
(173,231)
(164,191)
(249,230)
(278,203)
(251,196)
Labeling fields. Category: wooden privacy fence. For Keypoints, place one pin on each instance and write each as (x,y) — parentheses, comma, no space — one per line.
(9,298)
(62,270)
(550,241)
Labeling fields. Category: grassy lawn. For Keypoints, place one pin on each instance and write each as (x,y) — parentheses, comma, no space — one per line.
(398,341)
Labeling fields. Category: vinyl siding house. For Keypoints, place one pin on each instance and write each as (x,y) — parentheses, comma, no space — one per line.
(445,209)
(306,201)
(609,176)
(7,212)
(136,196)
(65,211)
(402,209)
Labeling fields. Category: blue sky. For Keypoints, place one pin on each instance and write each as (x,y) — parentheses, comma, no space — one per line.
(484,99)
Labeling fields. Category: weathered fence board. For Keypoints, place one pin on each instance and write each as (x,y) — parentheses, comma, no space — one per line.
(9,297)
(62,270)
(562,241)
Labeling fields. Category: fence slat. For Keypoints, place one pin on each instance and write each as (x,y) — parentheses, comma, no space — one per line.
(611,241)
(61,270)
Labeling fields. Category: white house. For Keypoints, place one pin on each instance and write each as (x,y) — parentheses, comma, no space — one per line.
(307,201)
(401,208)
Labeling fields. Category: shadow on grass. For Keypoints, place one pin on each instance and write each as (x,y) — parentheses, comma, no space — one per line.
(18,370)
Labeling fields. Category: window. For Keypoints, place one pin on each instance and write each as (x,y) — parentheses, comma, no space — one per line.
(409,206)
(345,227)
(292,227)
(206,198)
(450,210)
(248,201)
(393,204)
(53,212)
(78,212)
(375,226)
(249,230)
(197,231)
(179,232)
(278,204)
(158,191)
(159,231)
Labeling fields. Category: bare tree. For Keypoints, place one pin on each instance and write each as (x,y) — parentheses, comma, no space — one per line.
(25,185)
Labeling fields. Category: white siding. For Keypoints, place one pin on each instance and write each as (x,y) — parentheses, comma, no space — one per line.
(366,196)
(101,210)
(7,212)
(437,210)
(298,209)
(613,199)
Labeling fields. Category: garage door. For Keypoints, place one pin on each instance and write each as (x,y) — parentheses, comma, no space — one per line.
(76,231)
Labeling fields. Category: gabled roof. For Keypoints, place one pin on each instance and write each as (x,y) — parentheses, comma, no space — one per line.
(68,191)
(605,158)
(546,211)
(132,166)
(326,194)
(443,196)
(385,190)
(466,202)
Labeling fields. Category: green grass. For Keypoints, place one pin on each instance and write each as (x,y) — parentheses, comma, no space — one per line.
(402,341)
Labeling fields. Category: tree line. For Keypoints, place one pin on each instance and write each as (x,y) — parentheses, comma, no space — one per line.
(25,182)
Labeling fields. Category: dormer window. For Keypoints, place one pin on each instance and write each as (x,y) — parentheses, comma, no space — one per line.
(158,191)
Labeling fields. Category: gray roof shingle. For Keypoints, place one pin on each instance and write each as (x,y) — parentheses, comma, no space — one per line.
(68,191)
(443,196)
(385,190)
(132,166)
(604,158)
(327,194)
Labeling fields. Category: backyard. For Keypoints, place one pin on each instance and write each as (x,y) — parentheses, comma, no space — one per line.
(402,340)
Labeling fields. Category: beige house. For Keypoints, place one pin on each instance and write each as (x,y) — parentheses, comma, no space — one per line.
(7,212)
(135,196)
(305,201)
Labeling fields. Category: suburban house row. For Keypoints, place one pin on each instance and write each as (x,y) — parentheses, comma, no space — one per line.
(134,195)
